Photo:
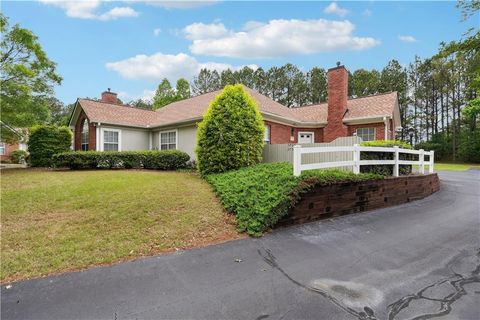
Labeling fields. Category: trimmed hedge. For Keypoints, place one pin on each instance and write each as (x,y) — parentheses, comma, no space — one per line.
(231,133)
(155,159)
(45,141)
(386,170)
(261,195)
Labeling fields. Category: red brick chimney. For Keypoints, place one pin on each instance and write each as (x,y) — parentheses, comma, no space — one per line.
(109,97)
(337,103)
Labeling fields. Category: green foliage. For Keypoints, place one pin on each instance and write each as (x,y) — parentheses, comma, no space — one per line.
(19,156)
(27,75)
(386,169)
(164,95)
(182,89)
(206,81)
(158,160)
(261,195)
(45,141)
(231,133)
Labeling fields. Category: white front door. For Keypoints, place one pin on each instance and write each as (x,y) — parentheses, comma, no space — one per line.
(305,137)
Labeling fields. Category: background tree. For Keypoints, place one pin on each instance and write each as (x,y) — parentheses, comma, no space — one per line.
(26,76)
(164,95)
(317,85)
(182,89)
(141,104)
(230,135)
(206,81)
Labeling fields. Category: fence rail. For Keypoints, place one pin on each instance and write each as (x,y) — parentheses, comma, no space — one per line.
(355,161)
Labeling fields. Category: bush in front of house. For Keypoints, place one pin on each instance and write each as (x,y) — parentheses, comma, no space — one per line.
(44,141)
(154,159)
(19,156)
(386,169)
(261,195)
(231,133)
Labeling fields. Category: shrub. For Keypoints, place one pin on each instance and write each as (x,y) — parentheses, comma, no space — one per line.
(45,141)
(231,133)
(386,169)
(19,156)
(158,160)
(261,195)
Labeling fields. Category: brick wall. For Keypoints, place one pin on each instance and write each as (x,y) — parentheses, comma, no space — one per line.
(344,198)
(9,148)
(379,129)
(92,133)
(281,133)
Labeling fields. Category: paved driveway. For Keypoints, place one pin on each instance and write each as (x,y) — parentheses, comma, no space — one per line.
(419,260)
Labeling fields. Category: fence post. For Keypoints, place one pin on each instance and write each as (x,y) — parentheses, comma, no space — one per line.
(422,161)
(356,159)
(430,168)
(297,160)
(396,166)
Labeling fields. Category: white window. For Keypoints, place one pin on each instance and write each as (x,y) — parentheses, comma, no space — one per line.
(266,138)
(367,134)
(168,140)
(111,140)
(2,148)
(85,135)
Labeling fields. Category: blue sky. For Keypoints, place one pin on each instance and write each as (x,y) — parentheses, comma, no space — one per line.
(130,46)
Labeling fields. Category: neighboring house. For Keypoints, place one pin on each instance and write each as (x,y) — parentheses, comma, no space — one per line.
(6,149)
(105,125)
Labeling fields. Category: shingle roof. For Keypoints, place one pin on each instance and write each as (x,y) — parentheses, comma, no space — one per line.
(194,108)
(102,112)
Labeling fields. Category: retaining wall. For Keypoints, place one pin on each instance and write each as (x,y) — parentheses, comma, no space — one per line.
(345,198)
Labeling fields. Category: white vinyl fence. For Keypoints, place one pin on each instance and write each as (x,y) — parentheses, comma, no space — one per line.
(284,152)
(354,160)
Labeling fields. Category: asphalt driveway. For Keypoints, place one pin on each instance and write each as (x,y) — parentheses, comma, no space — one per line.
(415,261)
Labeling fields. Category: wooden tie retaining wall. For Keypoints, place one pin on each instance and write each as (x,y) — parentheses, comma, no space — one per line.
(344,198)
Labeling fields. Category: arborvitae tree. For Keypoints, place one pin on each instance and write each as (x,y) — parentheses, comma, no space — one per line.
(231,133)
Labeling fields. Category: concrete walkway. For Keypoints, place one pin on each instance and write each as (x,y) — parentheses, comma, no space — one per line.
(416,260)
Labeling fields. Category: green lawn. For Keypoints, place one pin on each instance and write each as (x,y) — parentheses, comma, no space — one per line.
(455,166)
(55,221)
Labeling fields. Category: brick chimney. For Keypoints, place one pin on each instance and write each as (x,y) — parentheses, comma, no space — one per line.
(109,97)
(337,103)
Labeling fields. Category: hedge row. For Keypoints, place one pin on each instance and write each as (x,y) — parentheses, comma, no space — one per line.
(387,169)
(45,141)
(261,195)
(158,160)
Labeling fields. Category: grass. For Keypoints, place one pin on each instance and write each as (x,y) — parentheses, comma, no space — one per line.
(261,195)
(55,221)
(455,166)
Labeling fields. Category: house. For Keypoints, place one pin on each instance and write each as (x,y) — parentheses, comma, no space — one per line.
(106,125)
(6,148)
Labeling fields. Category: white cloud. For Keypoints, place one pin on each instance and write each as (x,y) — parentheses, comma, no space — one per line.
(180,4)
(367,13)
(409,39)
(87,9)
(277,38)
(159,66)
(336,9)
(157,31)
(146,95)
(198,31)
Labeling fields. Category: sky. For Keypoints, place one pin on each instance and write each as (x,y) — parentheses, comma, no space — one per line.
(130,46)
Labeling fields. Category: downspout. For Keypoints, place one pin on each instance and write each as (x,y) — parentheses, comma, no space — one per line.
(150,139)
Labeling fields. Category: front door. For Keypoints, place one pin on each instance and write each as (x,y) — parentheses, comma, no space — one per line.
(305,137)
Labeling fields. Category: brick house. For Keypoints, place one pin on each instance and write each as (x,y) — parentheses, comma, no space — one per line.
(6,148)
(107,125)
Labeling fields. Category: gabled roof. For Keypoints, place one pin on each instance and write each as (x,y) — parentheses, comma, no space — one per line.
(194,108)
(102,112)
(375,106)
